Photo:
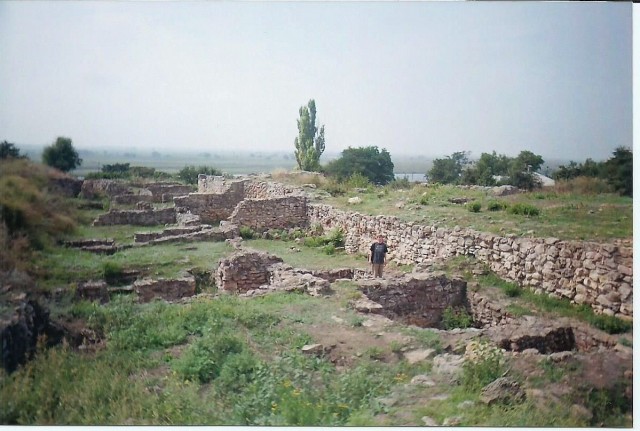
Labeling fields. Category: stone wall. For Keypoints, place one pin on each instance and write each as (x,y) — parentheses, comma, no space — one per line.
(215,200)
(169,290)
(244,271)
(599,275)
(137,217)
(275,213)
(266,190)
(417,299)
(92,189)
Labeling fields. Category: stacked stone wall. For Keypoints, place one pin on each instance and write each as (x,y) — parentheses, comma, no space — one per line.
(244,271)
(266,190)
(92,189)
(275,213)
(211,208)
(418,299)
(137,217)
(599,275)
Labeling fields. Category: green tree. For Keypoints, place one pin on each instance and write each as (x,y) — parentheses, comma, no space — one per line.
(189,174)
(373,164)
(529,161)
(310,141)
(61,155)
(522,168)
(619,171)
(9,151)
(449,169)
(483,171)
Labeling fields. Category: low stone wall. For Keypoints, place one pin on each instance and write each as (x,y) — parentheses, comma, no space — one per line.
(275,213)
(131,199)
(159,189)
(266,190)
(211,208)
(244,271)
(417,299)
(92,189)
(486,312)
(169,290)
(137,217)
(599,275)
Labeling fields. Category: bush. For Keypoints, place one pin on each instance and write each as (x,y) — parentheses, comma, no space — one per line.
(189,174)
(512,290)
(329,249)
(424,199)
(474,207)
(247,233)
(524,209)
(204,360)
(483,364)
(335,237)
(497,206)
(456,317)
(357,180)
(400,184)
(112,272)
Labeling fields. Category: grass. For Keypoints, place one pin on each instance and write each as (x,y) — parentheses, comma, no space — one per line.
(568,216)
(64,266)
(309,258)
(563,307)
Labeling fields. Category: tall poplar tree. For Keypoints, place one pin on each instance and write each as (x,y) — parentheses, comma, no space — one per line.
(310,141)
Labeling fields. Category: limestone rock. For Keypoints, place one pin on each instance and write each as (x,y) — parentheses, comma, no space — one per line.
(502,390)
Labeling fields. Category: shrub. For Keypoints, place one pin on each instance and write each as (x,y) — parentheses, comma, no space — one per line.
(483,364)
(246,232)
(497,206)
(524,209)
(357,180)
(314,241)
(189,174)
(335,237)
(399,184)
(334,187)
(329,249)
(512,290)
(424,199)
(456,317)
(112,272)
(237,371)
(204,360)
(474,207)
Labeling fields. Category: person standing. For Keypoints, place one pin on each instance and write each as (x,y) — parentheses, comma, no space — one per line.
(378,256)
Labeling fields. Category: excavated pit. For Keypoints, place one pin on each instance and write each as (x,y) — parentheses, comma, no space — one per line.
(421,299)
(416,299)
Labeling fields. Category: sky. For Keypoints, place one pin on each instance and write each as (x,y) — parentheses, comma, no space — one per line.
(423,78)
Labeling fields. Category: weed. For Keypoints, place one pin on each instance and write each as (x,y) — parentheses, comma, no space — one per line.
(518,310)
(456,317)
(483,364)
(112,272)
(524,209)
(374,353)
(204,360)
(247,233)
(497,206)
(608,404)
(474,207)
(356,321)
(396,346)
(329,249)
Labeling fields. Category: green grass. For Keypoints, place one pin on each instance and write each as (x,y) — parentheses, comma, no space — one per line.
(545,303)
(599,217)
(309,258)
(62,266)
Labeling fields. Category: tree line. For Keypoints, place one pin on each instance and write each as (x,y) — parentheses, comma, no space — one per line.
(376,166)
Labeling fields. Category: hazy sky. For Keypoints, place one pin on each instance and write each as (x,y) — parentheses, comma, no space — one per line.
(424,78)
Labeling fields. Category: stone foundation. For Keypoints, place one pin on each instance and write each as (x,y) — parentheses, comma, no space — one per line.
(275,213)
(416,299)
(170,290)
(244,271)
(137,217)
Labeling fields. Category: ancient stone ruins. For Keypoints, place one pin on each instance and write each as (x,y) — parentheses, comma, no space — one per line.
(596,274)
